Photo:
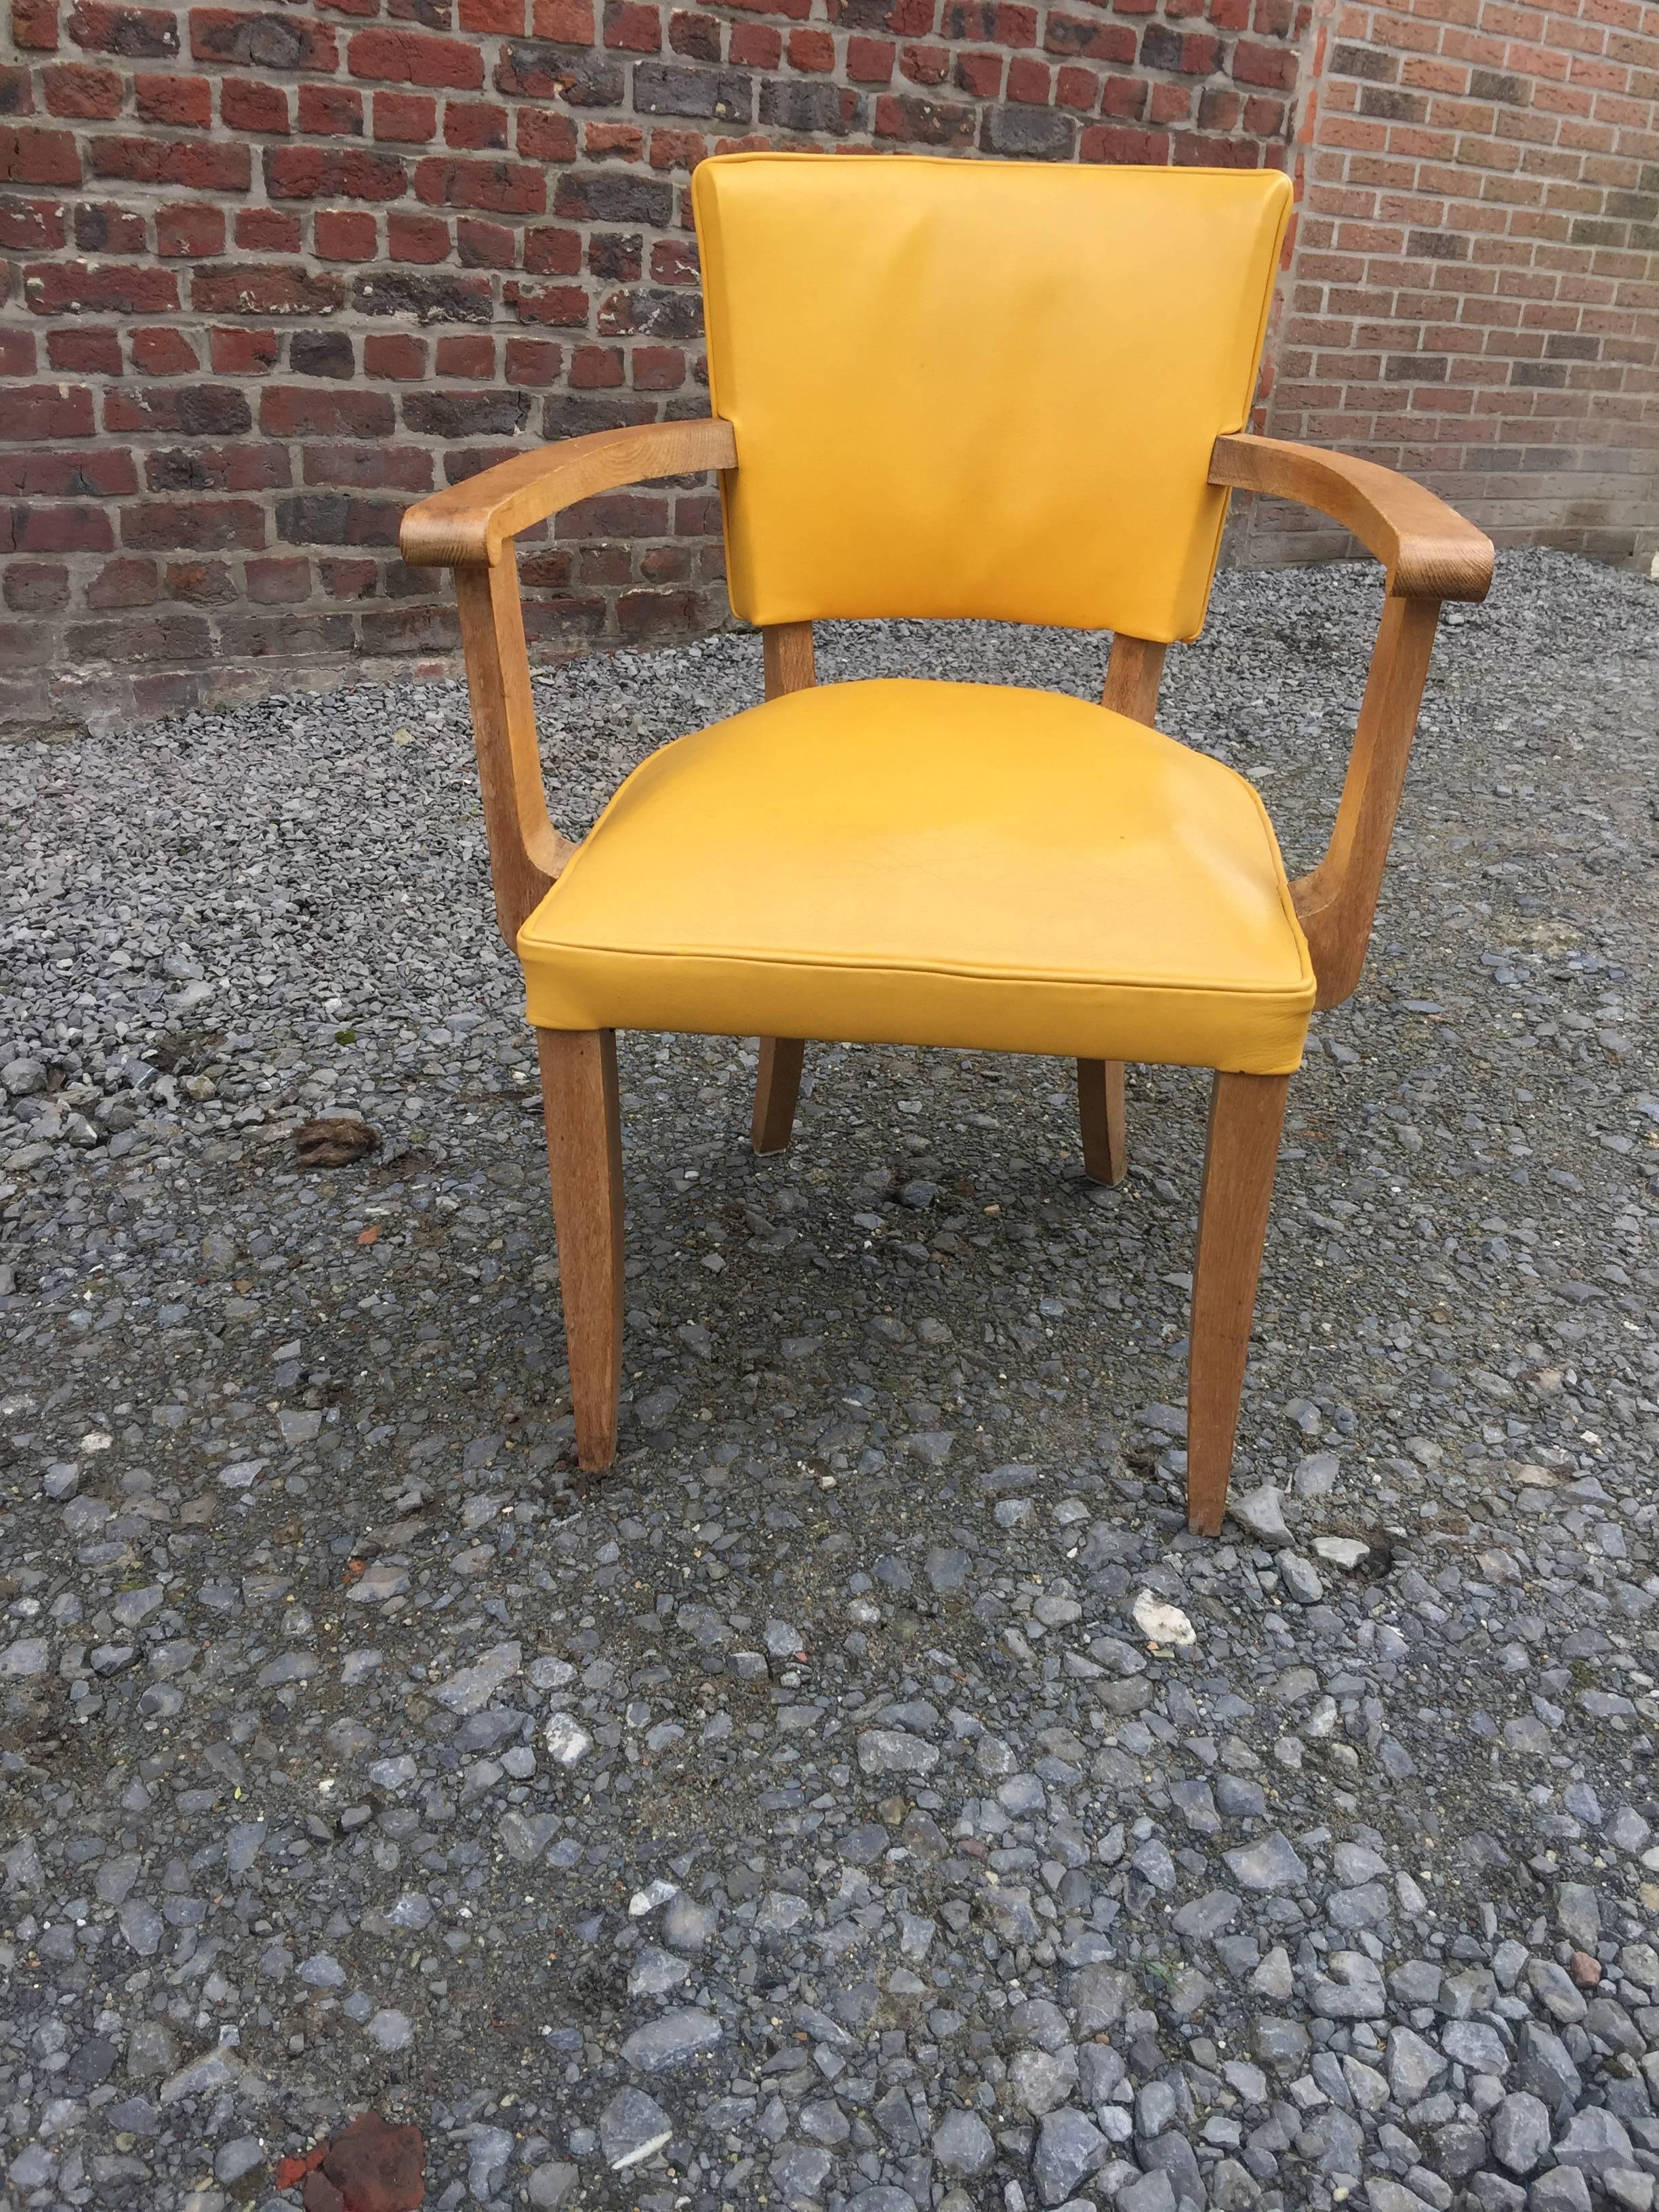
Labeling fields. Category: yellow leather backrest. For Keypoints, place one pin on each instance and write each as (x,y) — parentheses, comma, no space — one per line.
(981,388)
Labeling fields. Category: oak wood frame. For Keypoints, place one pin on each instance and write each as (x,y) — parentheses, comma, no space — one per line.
(1430,553)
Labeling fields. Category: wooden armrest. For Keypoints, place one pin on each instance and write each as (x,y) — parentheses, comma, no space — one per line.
(467,526)
(1429,550)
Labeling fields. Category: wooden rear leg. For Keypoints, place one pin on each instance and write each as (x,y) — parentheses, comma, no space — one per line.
(584,1164)
(777,1087)
(1247,1112)
(1100,1111)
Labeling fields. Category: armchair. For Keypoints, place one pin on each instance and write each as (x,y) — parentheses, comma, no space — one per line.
(886,339)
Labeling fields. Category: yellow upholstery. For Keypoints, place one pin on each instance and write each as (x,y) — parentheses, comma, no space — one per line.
(983,388)
(926,863)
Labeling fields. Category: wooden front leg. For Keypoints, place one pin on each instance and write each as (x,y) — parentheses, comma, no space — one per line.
(1247,1112)
(581,1106)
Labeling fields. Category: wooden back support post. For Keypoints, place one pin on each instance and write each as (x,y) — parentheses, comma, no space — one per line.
(1132,676)
(791,665)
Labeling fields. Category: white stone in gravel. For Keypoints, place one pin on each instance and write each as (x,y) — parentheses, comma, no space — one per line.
(1344,1551)
(633,2128)
(1271,1862)
(377,1583)
(673,2040)
(550,1673)
(1315,1476)
(654,1894)
(391,2030)
(1161,1623)
(469,1689)
(1520,2131)
(1262,1512)
(566,1738)
(894,1750)
(26,1658)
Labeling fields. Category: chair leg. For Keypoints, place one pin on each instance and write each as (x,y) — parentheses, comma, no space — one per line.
(1100,1110)
(777,1087)
(1246,1115)
(584,1162)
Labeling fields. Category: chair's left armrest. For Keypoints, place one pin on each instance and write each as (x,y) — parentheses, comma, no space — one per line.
(1427,548)
(467,526)
(1431,554)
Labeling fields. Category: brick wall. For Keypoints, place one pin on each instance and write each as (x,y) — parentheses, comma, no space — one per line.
(274,271)
(1473,295)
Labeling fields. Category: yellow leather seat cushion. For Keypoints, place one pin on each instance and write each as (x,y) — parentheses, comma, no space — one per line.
(927,863)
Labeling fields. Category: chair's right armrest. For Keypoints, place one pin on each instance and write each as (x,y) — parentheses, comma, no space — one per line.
(467,526)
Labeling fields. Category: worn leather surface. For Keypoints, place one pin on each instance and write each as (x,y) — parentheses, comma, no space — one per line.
(929,863)
(981,388)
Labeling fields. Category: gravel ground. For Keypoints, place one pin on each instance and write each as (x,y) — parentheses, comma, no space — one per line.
(825,1809)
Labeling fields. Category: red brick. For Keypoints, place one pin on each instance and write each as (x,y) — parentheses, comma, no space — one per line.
(474,125)
(503,18)
(568,22)
(342,237)
(85,352)
(31,226)
(391,354)
(265,288)
(124,583)
(137,34)
(103,227)
(633,27)
(473,357)
(870,61)
(241,352)
(417,238)
(63,530)
(533,360)
(545,136)
(162,352)
(17,352)
(1254,64)
(71,288)
(184,102)
(76,88)
(280,580)
(405,118)
(656,368)
(38,157)
(189,231)
(1110,142)
(265,41)
(1028,82)
(369,468)
(811,49)
(497,187)
(192,164)
(330,111)
(306,411)
(197,410)
(34,25)
(485,245)
(408,58)
(678,149)
(36,588)
(309,173)
(202,525)
(247,106)
(101,471)
(268,230)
